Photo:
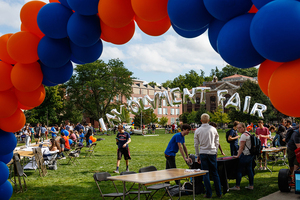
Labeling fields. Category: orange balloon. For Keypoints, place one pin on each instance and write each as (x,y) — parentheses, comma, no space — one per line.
(27,77)
(264,74)
(115,13)
(4,56)
(150,10)
(118,35)
(31,99)
(28,15)
(23,28)
(24,107)
(22,47)
(283,88)
(154,28)
(5,71)
(8,103)
(13,123)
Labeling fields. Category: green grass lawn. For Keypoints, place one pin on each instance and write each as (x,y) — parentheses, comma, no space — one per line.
(76,182)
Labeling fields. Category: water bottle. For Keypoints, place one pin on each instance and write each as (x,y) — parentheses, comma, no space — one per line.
(269,145)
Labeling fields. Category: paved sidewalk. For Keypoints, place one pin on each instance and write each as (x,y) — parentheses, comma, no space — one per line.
(282,195)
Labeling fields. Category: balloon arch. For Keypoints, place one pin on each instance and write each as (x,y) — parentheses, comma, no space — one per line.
(245,33)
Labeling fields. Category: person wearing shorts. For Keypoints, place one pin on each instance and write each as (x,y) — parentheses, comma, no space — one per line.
(123,139)
(37,134)
(293,144)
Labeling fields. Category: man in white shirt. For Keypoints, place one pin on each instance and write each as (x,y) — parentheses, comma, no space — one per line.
(208,138)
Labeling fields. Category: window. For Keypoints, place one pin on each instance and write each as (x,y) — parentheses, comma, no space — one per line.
(117,97)
(165,111)
(177,111)
(164,103)
(159,111)
(172,120)
(172,111)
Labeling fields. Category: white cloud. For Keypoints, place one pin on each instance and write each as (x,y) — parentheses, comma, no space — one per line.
(173,54)
(111,52)
(10,13)
(137,36)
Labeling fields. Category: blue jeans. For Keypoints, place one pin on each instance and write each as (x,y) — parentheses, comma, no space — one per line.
(209,162)
(234,149)
(276,139)
(245,162)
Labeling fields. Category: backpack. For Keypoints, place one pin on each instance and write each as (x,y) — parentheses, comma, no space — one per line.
(255,148)
(227,135)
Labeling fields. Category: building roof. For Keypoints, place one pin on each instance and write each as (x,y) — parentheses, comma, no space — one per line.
(238,76)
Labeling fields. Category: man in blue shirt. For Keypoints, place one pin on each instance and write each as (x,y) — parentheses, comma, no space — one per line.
(123,139)
(233,139)
(177,143)
(54,131)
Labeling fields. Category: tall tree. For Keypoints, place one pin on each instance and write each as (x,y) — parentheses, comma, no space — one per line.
(189,80)
(94,86)
(49,111)
(229,70)
(152,83)
(167,83)
(219,116)
(191,118)
(148,116)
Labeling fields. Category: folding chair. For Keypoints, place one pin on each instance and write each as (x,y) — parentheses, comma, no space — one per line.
(73,155)
(157,186)
(18,172)
(102,176)
(90,151)
(135,192)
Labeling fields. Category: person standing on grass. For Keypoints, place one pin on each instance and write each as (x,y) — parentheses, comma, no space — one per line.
(263,134)
(177,143)
(123,139)
(233,138)
(37,134)
(208,138)
(245,158)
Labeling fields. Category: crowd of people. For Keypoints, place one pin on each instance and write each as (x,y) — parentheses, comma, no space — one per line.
(69,135)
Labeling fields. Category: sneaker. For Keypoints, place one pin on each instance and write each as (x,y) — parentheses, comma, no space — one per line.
(116,171)
(63,158)
(127,170)
(249,187)
(264,168)
(235,188)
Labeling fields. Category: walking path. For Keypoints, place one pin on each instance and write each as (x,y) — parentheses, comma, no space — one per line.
(282,195)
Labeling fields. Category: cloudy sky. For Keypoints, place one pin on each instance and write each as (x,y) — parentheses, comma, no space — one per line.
(149,58)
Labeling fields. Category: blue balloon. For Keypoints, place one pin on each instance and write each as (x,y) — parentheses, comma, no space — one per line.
(65,3)
(260,3)
(189,16)
(87,54)
(275,31)
(74,60)
(52,19)
(227,9)
(58,75)
(6,158)
(6,190)
(234,43)
(8,142)
(83,30)
(214,29)
(91,141)
(66,133)
(54,52)
(4,173)
(46,82)
(84,7)
(189,34)
(70,141)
